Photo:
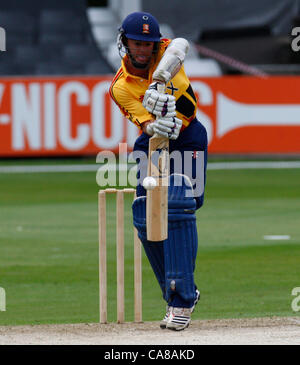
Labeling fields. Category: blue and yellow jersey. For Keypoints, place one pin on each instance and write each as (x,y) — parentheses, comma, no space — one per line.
(128,92)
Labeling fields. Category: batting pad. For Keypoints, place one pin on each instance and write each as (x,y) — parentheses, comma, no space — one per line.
(180,249)
(173,260)
(153,250)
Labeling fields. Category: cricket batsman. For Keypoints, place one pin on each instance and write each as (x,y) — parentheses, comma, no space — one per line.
(148,60)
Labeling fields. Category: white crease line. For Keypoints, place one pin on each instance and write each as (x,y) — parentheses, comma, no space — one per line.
(277,237)
(89,167)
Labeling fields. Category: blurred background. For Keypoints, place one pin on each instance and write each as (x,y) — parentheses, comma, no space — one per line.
(75,40)
(61,57)
(79,36)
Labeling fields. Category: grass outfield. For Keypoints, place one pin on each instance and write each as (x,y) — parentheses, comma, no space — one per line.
(49,248)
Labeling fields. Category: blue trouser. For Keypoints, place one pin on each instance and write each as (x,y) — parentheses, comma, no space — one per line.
(192,142)
(182,240)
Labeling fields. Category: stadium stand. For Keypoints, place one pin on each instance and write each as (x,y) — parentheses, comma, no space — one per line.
(56,68)
(79,54)
(50,38)
(38,53)
(254,46)
(61,27)
(78,33)
(95,67)
(21,27)
(8,68)
(257,33)
(86,57)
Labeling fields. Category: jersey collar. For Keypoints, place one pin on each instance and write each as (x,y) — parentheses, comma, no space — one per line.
(129,75)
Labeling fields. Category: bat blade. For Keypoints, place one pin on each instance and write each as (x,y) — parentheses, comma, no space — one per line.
(157,199)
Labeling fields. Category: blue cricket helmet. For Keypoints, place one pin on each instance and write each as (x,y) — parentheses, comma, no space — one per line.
(141,26)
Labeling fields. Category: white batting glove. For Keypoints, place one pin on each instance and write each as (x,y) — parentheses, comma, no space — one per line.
(167,127)
(161,105)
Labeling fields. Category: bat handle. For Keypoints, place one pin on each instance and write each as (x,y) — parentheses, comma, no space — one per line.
(161,88)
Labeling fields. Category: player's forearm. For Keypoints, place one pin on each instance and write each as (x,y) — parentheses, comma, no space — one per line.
(172,60)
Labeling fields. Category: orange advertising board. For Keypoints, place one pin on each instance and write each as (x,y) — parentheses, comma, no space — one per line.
(247,115)
(65,116)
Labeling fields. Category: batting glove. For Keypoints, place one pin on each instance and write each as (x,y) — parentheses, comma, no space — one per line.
(161,105)
(167,127)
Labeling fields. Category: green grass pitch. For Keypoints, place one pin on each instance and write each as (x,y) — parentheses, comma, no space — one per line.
(49,248)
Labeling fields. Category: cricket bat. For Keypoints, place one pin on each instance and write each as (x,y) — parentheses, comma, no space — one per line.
(157,199)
